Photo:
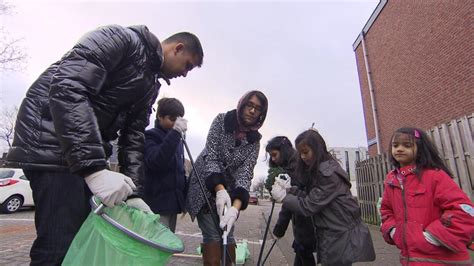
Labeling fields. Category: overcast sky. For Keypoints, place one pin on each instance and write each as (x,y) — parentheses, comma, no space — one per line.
(298,53)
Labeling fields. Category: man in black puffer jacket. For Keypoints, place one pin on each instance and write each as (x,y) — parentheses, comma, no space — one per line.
(101,90)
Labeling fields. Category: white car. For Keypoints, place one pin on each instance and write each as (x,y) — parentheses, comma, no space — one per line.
(15,191)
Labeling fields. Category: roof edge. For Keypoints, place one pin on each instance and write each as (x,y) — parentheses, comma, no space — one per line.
(369,23)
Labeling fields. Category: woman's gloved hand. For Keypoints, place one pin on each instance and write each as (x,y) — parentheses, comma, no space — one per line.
(278,192)
(222,199)
(284,180)
(229,218)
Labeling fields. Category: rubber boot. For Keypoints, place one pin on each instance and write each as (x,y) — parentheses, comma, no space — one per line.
(211,253)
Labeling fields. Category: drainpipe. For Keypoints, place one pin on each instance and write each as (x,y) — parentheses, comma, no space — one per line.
(372,95)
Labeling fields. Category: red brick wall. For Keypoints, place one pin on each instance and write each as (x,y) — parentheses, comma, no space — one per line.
(421,58)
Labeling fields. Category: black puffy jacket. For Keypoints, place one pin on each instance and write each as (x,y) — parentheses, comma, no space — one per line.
(104,85)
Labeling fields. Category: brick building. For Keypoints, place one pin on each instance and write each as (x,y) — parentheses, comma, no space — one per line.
(418,57)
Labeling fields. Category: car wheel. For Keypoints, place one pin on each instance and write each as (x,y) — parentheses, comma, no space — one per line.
(12,204)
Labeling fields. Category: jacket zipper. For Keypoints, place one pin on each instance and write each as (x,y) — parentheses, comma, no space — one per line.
(405,212)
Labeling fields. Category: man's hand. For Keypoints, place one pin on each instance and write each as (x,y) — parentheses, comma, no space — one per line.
(278,192)
(180,125)
(139,204)
(222,199)
(110,187)
(229,219)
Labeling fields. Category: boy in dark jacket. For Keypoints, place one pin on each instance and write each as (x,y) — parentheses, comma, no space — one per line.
(165,180)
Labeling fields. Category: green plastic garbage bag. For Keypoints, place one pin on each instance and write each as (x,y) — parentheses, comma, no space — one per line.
(142,240)
(242,252)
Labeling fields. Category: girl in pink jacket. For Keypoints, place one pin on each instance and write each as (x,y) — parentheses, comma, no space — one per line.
(424,212)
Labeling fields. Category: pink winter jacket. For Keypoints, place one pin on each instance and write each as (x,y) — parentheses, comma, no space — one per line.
(434,204)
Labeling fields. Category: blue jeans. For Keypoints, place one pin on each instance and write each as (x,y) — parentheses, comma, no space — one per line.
(62,204)
(209,230)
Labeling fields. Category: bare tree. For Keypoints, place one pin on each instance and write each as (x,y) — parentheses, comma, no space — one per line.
(7,123)
(12,55)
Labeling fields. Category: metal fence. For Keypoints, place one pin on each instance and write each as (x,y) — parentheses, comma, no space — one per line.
(455,144)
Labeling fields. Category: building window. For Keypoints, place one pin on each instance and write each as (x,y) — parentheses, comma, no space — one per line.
(357,156)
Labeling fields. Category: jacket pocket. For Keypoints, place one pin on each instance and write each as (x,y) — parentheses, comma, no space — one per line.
(416,241)
(398,237)
(417,197)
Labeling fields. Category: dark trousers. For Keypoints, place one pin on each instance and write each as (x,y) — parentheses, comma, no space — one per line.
(62,204)
(304,259)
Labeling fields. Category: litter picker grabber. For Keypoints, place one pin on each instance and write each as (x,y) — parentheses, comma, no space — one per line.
(265,235)
(203,191)
(224,239)
(269,251)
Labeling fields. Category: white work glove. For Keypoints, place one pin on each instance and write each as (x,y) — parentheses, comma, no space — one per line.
(284,180)
(278,192)
(229,219)
(392,232)
(222,199)
(139,204)
(110,187)
(180,125)
(431,239)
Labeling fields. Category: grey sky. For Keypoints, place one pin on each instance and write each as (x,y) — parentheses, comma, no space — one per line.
(298,53)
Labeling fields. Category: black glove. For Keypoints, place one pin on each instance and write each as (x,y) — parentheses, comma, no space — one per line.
(279,230)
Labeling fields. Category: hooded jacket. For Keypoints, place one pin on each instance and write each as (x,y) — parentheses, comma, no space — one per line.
(303,228)
(341,235)
(434,204)
(104,85)
(226,161)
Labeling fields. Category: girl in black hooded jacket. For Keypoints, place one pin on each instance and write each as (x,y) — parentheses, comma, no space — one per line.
(283,156)
(342,237)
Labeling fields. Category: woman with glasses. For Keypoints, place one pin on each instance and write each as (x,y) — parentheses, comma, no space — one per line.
(226,168)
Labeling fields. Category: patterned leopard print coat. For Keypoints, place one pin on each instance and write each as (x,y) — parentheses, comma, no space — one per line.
(224,160)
